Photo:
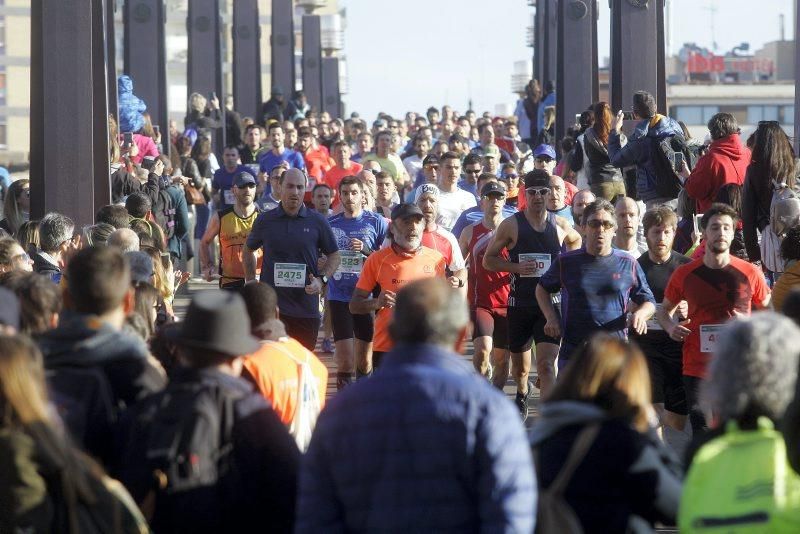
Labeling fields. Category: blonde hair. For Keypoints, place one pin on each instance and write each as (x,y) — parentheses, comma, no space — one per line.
(23,394)
(197,102)
(549,117)
(611,374)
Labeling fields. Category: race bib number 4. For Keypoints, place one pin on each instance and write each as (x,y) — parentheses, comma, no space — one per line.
(352,262)
(541,261)
(709,337)
(290,275)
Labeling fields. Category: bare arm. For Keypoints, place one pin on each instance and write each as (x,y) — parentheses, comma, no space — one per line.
(506,237)
(360,303)
(464,239)
(553,326)
(665,317)
(249,263)
(212,231)
(572,239)
(331,264)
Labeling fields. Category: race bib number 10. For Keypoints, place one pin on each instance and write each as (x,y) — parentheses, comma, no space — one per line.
(352,262)
(290,275)
(542,262)
(709,337)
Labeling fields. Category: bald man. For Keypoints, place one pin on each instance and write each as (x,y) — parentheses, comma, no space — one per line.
(582,198)
(628,216)
(124,239)
(556,201)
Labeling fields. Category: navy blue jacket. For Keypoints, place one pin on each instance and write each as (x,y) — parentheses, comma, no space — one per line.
(425,445)
(640,151)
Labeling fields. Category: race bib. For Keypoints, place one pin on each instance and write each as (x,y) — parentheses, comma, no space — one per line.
(709,337)
(290,275)
(228,197)
(352,262)
(652,324)
(542,262)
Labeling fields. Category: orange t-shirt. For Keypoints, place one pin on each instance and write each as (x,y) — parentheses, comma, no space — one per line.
(276,374)
(335,175)
(389,270)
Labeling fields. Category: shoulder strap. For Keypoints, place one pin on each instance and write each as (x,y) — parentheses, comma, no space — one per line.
(576,455)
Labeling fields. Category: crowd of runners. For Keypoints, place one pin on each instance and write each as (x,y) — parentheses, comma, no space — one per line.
(643,281)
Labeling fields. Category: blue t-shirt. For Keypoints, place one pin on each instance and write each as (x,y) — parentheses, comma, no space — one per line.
(565,212)
(296,241)
(223,181)
(269,160)
(475,214)
(368,227)
(595,291)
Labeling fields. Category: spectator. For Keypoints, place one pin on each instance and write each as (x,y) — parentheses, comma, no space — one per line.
(725,162)
(115,215)
(48,485)
(96,235)
(28,236)
(751,381)
(57,243)
(272,109)
(202,114)
(9,313)
(651,180)
(16,206)
(772,164)
(298,107)
(13,257)
(125,240)
(790,252)
(547,129)
(352,478)
(548,100)
(591,158)
(594,438)
(255,482)
(39,300)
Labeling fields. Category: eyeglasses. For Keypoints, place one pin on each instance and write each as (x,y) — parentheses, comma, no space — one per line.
(538,191)
(509,176)
(546,159)
(596,223)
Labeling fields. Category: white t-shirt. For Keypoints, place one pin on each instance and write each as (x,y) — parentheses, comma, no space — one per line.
(413,165)
(451,205)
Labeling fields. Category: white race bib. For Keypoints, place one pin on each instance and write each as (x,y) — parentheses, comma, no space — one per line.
(542,262)
(652,323)
(352,262)
(228,197)
(709,337)
(290,275)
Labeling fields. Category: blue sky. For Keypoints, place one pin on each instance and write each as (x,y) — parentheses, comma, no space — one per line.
(410,54)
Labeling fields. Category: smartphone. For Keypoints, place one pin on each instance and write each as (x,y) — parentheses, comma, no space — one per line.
(148,162)
(627,115)
(157,129)
(577,118)
(212,95)
(127,139)
(678,161)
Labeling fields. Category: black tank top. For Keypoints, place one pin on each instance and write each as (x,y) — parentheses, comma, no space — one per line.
(529,241)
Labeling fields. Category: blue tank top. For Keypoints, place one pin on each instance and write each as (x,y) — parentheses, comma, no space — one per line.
(529,241)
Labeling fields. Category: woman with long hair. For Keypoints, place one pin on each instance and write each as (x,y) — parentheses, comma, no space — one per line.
(547,134)
(17,206)
(596,427)
(772,166)
(605,180)
(48,485)
(28,236)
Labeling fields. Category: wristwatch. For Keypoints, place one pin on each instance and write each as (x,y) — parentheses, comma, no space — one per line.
(324,279)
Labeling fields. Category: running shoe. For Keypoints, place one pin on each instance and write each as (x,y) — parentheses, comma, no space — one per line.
(522,402)
(327,345)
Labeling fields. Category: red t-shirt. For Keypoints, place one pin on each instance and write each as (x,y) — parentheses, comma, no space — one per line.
(713,296)
(486,289)
(335,175)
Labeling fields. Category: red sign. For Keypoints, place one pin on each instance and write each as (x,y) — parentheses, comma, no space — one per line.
(698,63)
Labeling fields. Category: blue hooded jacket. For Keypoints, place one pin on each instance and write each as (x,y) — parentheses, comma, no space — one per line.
(131,106)
(640,150)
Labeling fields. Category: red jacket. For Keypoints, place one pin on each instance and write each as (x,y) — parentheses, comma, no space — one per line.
(725,163)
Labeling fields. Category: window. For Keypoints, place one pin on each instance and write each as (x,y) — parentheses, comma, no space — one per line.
(787,117)
(761,113)
(695,114)
(3,132)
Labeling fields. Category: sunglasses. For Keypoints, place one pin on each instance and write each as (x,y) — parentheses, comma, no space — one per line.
(509,176)
(538,191)
(374,171)
(248,185)
(472,171)
(432,167)
(545,159)
(595,223)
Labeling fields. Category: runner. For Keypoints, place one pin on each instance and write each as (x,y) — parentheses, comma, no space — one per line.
(358,234)
(452,199)
(597,284)
(718,287)
(292,237)
(390,269)
(662,353)
(534,239)
(488,291)
(437,238)
(232,225)
(475,214)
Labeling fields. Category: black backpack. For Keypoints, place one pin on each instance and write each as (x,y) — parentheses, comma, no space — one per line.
(164,212)
(178,461)
(668,183)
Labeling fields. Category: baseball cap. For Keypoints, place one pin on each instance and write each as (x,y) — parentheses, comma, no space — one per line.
(9,308)
(491,150)
(141,266)
(431,189)
(243,178)
(402,211)
(493,187)
(537,178)
(430,159)
(544,150)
